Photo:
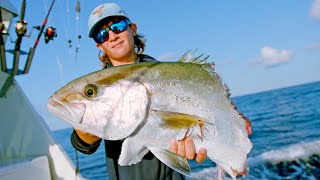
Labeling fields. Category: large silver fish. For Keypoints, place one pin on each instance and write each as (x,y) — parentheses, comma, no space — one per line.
(149,104)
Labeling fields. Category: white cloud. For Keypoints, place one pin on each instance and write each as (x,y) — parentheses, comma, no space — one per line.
(272,57)
(170,56)
(314,46)
(315,10)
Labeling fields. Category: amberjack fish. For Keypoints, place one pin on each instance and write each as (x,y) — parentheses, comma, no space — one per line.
(148,104)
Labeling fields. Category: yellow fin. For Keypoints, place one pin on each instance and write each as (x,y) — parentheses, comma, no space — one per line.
(174,120)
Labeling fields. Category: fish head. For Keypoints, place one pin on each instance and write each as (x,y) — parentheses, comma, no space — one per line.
(111,111)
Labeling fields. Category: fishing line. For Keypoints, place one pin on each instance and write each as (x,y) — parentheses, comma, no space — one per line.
(68,29)
(77,171)
(65,23)
(60,67)
(78,9)
(68,26)
(45,5)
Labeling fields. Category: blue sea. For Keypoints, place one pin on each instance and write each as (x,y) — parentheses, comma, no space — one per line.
(286,137)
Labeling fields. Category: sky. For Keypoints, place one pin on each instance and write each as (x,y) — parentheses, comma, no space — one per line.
(256,45)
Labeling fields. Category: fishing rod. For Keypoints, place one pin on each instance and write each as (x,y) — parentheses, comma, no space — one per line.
(21,30)
(2,48)
(32,50)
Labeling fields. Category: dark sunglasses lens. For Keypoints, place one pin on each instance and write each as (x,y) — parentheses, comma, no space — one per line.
(119,27)
(102,36)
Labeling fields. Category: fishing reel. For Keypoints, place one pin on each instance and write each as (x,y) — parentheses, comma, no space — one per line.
(50,34)
(1,27)
(21,28)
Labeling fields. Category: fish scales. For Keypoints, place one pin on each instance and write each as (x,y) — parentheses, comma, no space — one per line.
(148,104)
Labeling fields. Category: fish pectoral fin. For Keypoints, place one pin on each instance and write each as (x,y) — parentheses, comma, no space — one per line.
(175,120)
(131,152)
(174,161)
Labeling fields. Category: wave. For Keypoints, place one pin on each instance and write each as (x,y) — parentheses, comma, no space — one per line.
(296,161)
(292,152)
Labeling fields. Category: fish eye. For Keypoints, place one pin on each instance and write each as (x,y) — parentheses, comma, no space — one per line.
(91,90)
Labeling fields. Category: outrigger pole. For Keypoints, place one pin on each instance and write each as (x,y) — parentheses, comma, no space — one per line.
(32,50)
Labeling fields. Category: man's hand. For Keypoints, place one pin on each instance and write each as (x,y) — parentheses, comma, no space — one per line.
(186,149)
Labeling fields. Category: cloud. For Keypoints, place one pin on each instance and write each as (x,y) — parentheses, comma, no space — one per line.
(314,46)
(170,56)
(315,10)
(272,57)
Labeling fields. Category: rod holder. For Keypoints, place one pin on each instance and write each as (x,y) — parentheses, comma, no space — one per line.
(29,60)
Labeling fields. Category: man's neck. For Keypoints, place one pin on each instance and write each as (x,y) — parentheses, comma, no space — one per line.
(124,61)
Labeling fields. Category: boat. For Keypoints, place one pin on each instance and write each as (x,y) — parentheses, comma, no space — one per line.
(28,149)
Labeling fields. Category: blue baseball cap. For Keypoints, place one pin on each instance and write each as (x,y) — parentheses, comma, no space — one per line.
(104,11)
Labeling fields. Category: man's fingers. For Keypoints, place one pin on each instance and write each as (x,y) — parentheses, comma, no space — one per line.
(174,146)
(181,148)
(201,156)
(189,148)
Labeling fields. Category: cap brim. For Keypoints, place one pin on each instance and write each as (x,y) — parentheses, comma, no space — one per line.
(103,19)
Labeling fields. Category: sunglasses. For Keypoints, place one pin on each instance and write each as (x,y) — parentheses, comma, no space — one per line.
(103,35)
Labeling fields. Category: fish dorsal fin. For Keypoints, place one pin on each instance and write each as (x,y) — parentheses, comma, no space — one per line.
(210,67)
(174,120)
(188,57)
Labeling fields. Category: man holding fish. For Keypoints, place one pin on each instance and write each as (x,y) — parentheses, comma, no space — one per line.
(139,105)
(116,36)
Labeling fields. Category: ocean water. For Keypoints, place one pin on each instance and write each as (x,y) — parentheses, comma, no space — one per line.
(286,137)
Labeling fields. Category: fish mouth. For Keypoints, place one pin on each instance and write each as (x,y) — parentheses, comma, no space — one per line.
(67,111)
